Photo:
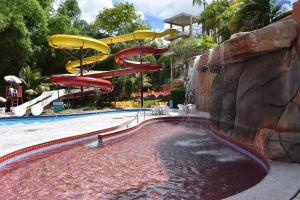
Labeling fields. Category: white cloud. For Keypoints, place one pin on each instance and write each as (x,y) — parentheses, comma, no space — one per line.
(165,8)
(91,8)
(141,14)
(157,8)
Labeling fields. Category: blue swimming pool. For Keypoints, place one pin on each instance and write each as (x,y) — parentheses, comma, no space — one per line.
(8,121)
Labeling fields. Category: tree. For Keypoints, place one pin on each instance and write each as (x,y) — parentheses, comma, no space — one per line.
(46,4)
(201,2)
(215,19)
(129,88)
(122,18)
(33,81)
(23,31)
(69,8)
(136,79)
(225,17)
(253,14)
(192,46)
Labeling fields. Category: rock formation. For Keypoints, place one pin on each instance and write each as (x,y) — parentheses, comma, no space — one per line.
(257,83)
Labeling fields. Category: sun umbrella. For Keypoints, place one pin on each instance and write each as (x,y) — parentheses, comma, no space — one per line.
(12,79)
(2,99)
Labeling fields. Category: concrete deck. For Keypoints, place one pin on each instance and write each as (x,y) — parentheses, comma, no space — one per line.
(282,182)
(15,137)
(19,136)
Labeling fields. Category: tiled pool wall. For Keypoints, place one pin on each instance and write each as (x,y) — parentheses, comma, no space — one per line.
(7,121)
(218,134)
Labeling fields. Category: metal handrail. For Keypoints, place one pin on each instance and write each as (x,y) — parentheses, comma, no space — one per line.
(136,117)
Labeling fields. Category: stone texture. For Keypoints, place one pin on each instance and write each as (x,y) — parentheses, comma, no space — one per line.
(242,46)
(228,112)
(296,16)
(261,139)
(256,91)
(284,147)
(296,100)
(290,119)
(203,83)
(222,100)
(202,61)
(266,87)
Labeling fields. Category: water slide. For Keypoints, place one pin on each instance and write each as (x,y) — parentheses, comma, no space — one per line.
(37,104)
(95,79)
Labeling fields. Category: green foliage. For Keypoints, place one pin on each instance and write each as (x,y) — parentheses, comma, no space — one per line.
(23,29)
(253,14)
(33,81)
(102,100)
(214,18)
(61,24)
(69,8)
(136,79)
(149,103)
(46,4)
(199,2)
(223,18)
(129,87)
(178,96)
(192,46)
(122,18)
(26,24)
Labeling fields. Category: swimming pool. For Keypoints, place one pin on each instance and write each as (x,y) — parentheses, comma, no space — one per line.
(160,160)
(8,121)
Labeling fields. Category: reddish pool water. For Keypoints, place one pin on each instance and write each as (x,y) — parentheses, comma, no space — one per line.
(162,161)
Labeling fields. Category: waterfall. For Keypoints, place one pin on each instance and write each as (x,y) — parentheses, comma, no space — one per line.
(191,84)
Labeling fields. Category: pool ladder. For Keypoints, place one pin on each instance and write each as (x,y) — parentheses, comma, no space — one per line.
(136,117)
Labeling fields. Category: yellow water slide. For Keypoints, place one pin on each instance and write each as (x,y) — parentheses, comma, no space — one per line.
(101,45)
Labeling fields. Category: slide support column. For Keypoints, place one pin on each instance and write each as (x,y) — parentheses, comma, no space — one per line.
(81,68)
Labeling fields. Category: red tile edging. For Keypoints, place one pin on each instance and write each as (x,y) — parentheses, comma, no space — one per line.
(55,142)
(214,130)
(101,138)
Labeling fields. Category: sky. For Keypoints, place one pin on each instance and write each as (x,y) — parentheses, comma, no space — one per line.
(152,11)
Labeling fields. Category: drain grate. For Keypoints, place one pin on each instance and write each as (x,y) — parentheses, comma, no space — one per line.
(31,130)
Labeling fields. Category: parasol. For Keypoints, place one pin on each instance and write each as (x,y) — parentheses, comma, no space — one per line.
(12,79)
(2,99)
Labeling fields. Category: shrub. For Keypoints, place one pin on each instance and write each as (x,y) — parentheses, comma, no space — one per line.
(178,96)
(137,104)
(129,88)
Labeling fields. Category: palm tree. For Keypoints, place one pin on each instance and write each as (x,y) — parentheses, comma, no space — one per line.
(253,14)
(200,2)
(136,79)
(33,81)
(214,17)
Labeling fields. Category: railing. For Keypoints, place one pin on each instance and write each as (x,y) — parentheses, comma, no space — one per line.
(136,117)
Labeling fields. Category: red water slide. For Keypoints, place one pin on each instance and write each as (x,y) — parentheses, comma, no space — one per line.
(96,79)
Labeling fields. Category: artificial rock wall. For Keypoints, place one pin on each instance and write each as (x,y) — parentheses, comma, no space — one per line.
(256,84)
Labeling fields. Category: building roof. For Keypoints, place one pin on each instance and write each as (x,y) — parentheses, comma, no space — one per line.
(182,19)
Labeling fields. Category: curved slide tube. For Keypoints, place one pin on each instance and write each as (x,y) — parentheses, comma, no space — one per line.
(93,78)
(101,45)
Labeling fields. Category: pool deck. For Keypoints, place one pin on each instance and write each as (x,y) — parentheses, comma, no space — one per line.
(282,181)
(19,136)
